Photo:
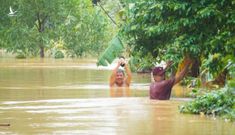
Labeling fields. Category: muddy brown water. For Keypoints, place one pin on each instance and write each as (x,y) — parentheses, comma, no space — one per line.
(72,97)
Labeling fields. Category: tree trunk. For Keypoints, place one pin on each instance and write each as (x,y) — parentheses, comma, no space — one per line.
(221,78)
(194,71)
(181,66)
(41,27)
(218,81)
(42,52)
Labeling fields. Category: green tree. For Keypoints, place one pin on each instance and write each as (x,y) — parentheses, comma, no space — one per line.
(39,25)
(175,28)
(88,32)
(31,26)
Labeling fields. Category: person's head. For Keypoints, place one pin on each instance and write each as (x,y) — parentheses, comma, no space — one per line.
(119,80)
(158,73)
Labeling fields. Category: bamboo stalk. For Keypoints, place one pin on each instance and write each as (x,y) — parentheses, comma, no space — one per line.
(107,13)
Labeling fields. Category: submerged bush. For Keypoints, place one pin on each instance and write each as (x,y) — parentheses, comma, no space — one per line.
(20,56)
(220,102)
(59,54)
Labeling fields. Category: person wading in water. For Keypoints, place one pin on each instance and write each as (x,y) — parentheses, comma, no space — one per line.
(119,83)
(161,89)
(118,77)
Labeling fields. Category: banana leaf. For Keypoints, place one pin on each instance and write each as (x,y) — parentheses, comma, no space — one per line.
(114,49)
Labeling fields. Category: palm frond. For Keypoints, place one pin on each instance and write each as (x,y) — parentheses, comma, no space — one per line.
(114,49)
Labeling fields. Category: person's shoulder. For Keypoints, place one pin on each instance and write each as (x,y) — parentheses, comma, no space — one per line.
(170,80)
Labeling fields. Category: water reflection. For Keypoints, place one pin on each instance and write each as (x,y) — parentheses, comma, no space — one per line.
(120,92)
(73,97)
(132,115)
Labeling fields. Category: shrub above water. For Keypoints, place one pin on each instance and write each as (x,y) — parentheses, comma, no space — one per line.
(220,102)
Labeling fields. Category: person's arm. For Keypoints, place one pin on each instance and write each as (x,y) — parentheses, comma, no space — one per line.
(113,76)
(129,76)
(181,75)
(168,65)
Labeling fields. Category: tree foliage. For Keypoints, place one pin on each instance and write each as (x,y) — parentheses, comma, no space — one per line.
(220,102)
(39,25)
(174,28)
(115,13)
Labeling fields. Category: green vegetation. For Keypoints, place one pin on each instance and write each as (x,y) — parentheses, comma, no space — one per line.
(220,102)
(204,30)
(170,30)
(216,102)
(147,31)
(114,49)
(117,46)
(35,28)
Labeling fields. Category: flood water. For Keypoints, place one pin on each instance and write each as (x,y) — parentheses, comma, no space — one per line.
(47,96)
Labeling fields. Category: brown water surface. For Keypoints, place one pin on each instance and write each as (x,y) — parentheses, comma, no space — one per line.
(47,96)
